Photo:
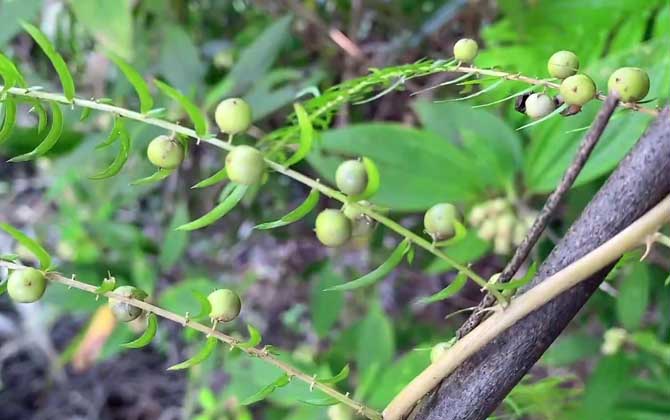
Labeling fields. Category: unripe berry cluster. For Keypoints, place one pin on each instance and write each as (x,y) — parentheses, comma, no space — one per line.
(497,222)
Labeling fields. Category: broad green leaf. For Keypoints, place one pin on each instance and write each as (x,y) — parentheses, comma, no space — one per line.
(225,206)
(254,338)
(109,21)
(454,287)
(517,283)
(108,284)
(51,138)
(197,117)
(186,69)
(395,376)
(571,348)
(13,12)
(380,272)
(56,60)
(342,375)
(306,136)
(32,245)
(604,387)
(218,176)
(9,107)
(205,306)
(199,357)
(294,215)
(135,79)
(325,308)
(375,340)
(633,299)
(280,382)
(374,181)
(121,157)
(157,176)
(147,336)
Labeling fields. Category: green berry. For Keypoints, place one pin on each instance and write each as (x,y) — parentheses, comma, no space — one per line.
(630,83)
(439,221)
(245,165)
(233,116)
(487,231)
(477,215)
(226,305)
(26,285)
(578,89)
(123,311)
(563,64)
(332,228)
(438,350)
(351,177)
(539,105)
(353,211)
(165,152)
(465,50)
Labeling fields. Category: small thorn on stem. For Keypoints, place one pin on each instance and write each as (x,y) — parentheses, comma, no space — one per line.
(187,318)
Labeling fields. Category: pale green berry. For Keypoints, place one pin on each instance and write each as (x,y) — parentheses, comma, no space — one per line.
(233,116)
(614,339)
(166,153)
(26,285)
(497,206)
(502,245)
(438,350)
(353,211)
(245,165)
(578,89)
(439,221)
(630,83)
(226,305)
(487,231)
(351,177)
(505,225)
(539,105)
(123,311)
(332,228)
(465,50)
(477,215)
(563,64)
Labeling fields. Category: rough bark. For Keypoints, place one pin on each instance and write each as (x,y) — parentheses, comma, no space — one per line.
(477,387)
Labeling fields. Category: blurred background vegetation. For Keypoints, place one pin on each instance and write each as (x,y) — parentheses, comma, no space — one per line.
(60,358)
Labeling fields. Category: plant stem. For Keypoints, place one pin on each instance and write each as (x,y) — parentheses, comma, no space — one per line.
(205,329)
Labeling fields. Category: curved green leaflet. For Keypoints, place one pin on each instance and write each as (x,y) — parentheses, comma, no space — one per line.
(516,283)
(219,176)
(374,181)
(512,96)
(474,95)
(51,138)
(226,205)
(205,306)
(117,126)
(199,357)
(10,74)
(254,338)
(194,113)
(545,118)
(42,117)
(447,83)
(148,334)
(321,402)
(294,215)
(460,232)
(85,113)
(32,245)
(159,175)
(280,382)
(380,272)
(56,60)
(306,136)
(454,287)
(135,79)
(108,284)
(9,120)
(120,159)
(342,375)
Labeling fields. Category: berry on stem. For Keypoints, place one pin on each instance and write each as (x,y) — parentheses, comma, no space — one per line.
(332,228)
(226,305)
(578,89)
(165,152)
(439,221)
(233,116)
(563,64)
(465,50)
(630,83)
(123,311)
(26,285)
(539,105)
(245,165)
(351,177)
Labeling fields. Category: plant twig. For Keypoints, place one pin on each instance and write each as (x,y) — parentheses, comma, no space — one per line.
(550,206)
(261,353)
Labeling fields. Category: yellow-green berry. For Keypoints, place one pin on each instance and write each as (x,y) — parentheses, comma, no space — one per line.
(123,311)
(578,89)
(465,50)
(351,177)
(563,64)
(233,116)
(26,285)
(438,350)
(245,165)
(487,231)
(332,228)
(630,83)
(165,153)
(226,305)
(539,105)
(439,221)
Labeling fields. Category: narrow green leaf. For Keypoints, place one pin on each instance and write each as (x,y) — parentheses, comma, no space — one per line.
(294,215)
(32,245)
(120,159)
(42,117)
(374,180)
(344,374)
(85,113)
(545,118)
(321,402)
(447,83)
(3,287)
(453,288)
(9,258)
(159,175)
(108,284)
(226,205)
(199,357)
(306,136)
(254,338)
(474,95)
(194,113)
(56,60)
(506,98)
(9,120)
(380,272)
(280,382)
(114,134)
(51,138)
(205,306)
(135,79)
(11,75)
(516,283)
(219,176)
(147,336)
